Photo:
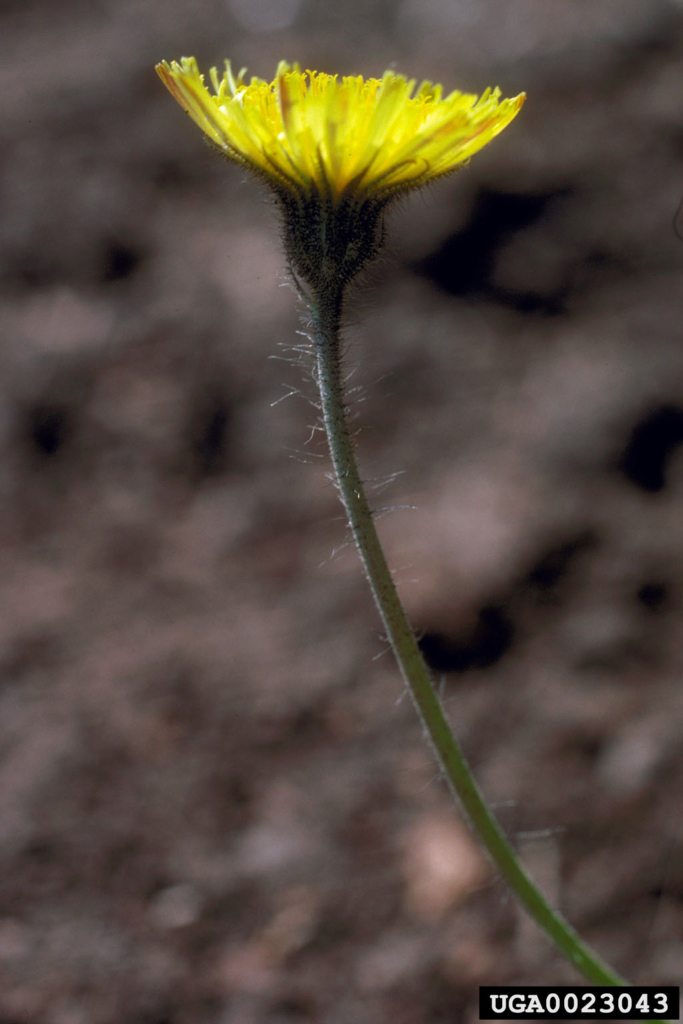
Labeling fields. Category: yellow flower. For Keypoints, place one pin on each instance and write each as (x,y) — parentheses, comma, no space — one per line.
(352,138)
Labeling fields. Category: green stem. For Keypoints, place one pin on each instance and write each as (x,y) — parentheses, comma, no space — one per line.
(326,321)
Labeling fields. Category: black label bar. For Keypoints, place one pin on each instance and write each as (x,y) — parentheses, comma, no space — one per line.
(548,1002)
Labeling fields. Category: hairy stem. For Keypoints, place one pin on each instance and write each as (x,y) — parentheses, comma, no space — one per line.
(326,307)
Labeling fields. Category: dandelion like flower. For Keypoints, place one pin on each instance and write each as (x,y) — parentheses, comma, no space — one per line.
(310,132)
(336,151)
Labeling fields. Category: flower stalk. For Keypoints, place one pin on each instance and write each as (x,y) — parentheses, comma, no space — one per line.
(326,308)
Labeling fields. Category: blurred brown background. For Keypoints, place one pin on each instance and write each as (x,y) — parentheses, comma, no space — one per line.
(215,806)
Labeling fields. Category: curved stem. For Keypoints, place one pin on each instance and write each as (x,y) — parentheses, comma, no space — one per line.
(326,319)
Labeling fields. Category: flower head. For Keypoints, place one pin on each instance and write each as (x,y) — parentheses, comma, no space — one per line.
(308,132)
(336,151)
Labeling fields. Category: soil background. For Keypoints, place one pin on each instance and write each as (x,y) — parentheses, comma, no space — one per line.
(216,803)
